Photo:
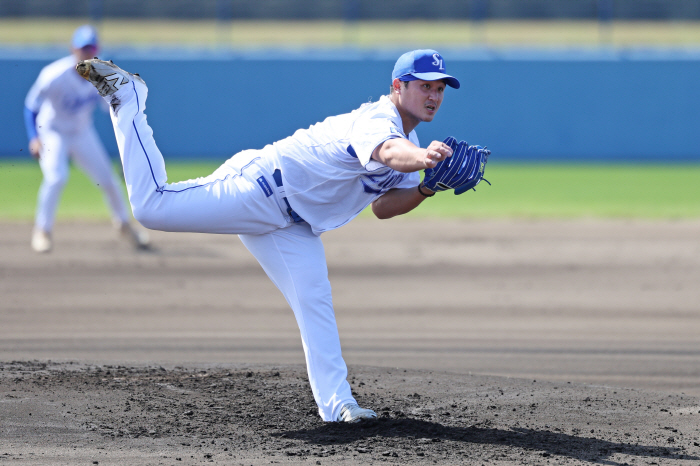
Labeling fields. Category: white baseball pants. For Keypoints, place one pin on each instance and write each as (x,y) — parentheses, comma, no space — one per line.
(88,153)
(233,200)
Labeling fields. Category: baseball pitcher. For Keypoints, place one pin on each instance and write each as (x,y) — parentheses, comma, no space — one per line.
(280,199)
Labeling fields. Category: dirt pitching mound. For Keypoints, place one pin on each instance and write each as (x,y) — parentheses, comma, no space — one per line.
(261,414)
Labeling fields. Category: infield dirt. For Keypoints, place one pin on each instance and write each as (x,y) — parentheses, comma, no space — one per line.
(489,342)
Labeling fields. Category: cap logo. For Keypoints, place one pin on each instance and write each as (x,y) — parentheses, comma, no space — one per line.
(422,64)
(438,62)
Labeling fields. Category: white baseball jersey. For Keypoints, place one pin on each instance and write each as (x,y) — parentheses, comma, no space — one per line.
(64,101)
(329,176)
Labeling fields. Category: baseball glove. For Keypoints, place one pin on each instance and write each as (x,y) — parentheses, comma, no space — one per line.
(461,172)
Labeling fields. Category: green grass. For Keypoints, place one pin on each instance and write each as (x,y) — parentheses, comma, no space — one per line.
(518,190)
(575,191)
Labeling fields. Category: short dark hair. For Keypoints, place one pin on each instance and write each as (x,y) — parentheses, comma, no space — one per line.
(391,88)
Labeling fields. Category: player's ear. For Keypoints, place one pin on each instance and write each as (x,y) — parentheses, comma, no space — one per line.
(396,84)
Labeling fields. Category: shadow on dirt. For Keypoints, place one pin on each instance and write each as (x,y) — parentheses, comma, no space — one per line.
(428,436)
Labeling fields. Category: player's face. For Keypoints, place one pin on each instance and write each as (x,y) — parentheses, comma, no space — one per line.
(86,53)
(422,99)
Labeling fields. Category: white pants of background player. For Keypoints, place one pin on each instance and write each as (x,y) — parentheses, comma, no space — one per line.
(88,153)
(231,201)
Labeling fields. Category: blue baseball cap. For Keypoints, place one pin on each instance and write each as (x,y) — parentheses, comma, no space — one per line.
(427,65)
(83,36)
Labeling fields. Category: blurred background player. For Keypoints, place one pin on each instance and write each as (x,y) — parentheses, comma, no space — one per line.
(59,119)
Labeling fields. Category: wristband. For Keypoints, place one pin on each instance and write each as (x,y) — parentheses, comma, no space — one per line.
(423,194)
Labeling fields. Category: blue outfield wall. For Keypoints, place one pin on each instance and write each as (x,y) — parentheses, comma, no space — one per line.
(603,106)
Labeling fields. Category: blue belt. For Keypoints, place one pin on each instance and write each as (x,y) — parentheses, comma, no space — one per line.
(277,175)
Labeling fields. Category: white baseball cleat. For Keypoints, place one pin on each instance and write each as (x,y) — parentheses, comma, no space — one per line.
(138,238)
(41,241)
(351,412)
(107,77)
